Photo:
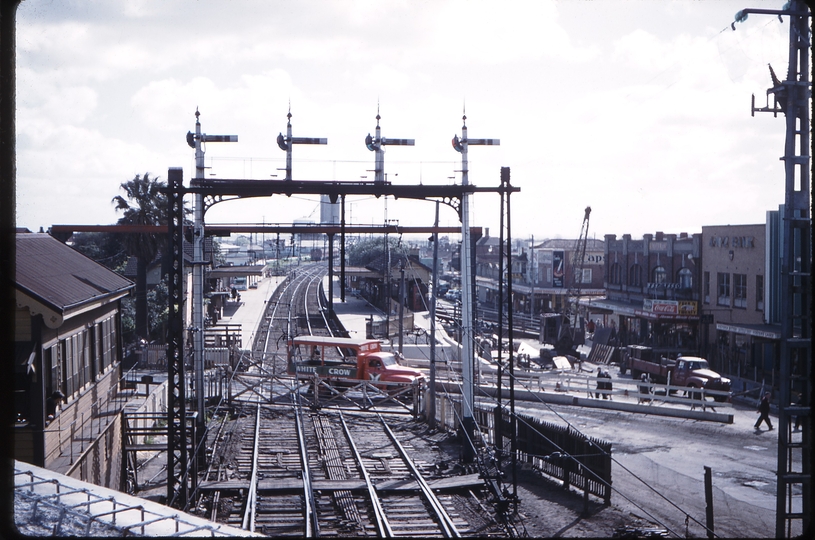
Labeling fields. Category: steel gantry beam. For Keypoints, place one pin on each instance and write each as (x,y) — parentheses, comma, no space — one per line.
(215,191)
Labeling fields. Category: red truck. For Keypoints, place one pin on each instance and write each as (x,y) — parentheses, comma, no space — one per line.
(688,371)
(347,360)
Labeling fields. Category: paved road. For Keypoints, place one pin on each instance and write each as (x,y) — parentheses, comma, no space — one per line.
(669,454)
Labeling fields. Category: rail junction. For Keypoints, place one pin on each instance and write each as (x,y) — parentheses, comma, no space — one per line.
(295,458)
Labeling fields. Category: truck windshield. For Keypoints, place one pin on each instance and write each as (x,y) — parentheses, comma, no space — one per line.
(699,364)
(388,360)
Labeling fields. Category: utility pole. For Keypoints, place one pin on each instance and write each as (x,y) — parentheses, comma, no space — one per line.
(431,405)
(194,141)
(792,97)
(401,304)
(532,274)
(467,280)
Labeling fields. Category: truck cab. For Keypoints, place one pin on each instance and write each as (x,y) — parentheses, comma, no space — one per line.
(383,366)
(695,372)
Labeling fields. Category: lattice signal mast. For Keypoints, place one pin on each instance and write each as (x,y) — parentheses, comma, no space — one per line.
(375,144)
(467,314)
(286,143)
(196,140)
(792,97)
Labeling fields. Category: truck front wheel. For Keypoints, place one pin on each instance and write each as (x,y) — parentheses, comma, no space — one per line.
(691,393)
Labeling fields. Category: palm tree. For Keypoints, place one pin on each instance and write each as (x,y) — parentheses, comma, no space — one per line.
(145,205)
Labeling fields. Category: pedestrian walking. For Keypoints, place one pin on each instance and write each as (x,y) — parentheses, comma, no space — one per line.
(764,411)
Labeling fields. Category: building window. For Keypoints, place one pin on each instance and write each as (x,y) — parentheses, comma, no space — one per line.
(759,293)
(635,276)
(740,291)
(707,287)
(723,289)
(685,278)
(616,277)
(660,275)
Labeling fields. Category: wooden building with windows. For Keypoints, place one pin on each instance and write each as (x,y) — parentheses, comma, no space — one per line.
(67,356)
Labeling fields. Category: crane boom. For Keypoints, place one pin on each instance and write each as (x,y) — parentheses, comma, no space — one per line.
(577,275)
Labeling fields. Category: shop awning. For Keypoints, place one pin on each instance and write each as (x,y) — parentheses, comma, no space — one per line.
(767,331)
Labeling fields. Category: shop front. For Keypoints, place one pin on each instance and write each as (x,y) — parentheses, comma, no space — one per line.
(749,351)
(670,327)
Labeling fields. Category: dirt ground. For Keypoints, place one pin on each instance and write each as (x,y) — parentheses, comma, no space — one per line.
(545,509)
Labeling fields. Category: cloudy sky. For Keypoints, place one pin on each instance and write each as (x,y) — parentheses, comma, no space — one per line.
(637,108)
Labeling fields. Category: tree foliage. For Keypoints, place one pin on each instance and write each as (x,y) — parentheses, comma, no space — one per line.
(103,247)
(144,204)
(366,251)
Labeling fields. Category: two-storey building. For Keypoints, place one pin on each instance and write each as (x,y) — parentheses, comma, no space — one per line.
(652,288)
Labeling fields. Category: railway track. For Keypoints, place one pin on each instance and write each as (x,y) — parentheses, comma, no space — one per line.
(289,471)
(323,473)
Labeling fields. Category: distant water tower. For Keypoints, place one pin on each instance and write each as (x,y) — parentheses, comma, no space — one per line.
(329,213)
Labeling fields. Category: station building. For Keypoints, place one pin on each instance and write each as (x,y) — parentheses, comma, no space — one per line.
(67,358)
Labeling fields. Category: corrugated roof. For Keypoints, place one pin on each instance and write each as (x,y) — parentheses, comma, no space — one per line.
(61,277)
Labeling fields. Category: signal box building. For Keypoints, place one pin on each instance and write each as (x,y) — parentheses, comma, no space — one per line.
(67,356)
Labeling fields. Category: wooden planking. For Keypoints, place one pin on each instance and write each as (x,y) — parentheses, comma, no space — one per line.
(295,484)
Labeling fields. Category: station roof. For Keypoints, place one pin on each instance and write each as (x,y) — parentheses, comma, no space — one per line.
(236,271)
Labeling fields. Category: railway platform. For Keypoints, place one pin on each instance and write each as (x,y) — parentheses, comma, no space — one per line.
(248,311)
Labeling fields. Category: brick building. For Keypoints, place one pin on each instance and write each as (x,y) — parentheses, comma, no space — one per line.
(652,291)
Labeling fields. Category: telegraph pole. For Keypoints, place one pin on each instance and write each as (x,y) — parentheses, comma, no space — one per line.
(431,402)
(792,97)
(467,359)
(195,140)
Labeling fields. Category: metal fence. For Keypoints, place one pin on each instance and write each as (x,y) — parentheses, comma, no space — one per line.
(556,451)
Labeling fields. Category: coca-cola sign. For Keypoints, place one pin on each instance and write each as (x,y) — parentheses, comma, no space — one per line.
(667,307)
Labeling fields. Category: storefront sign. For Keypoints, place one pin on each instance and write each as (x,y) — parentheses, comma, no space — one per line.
(688,307)
(650,315)
(591,257)
(732,241)
(667,307)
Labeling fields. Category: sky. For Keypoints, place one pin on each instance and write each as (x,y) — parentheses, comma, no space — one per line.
(640,109)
